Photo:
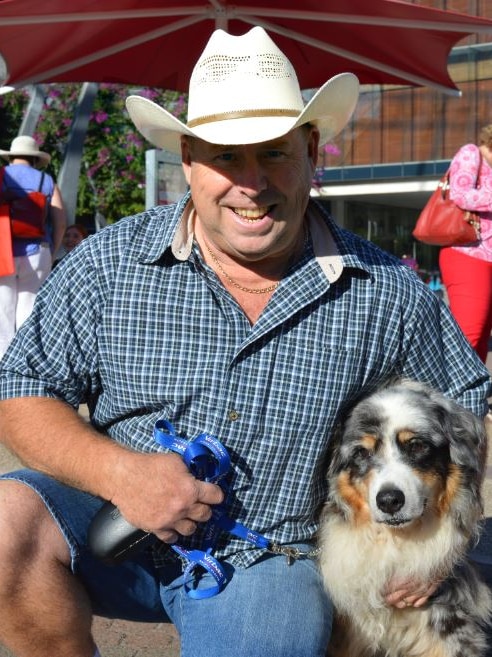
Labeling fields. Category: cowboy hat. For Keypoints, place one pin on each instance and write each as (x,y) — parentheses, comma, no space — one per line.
(25,146)
(244,90)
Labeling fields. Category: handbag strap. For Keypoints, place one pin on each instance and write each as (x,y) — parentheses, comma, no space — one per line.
(2,171)
(446,179)
(42,181)
(477,178)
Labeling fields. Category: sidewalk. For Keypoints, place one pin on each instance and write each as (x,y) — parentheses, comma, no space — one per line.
(125,639)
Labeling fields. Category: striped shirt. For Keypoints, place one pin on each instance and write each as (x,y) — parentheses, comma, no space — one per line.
(136,325)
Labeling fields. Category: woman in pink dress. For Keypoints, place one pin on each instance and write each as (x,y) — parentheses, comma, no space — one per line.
(467,270)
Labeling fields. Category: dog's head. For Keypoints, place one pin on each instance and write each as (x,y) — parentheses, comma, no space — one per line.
(404,454)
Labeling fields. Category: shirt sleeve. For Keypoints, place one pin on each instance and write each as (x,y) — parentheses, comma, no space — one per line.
(437,353)
(54,353)
(463,175)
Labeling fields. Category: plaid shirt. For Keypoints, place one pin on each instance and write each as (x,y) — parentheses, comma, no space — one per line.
(142,331)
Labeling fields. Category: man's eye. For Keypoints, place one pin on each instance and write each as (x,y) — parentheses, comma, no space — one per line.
(224,157)
(274,154)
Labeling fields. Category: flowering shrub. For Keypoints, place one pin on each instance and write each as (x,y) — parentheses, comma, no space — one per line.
(112,176)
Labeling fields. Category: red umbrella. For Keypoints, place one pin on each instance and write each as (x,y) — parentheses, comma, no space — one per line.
(157,42)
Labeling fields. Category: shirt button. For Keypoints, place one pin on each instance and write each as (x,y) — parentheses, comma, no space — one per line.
(233,415)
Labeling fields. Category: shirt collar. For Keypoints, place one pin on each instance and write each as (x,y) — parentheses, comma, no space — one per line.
(183,237)
(325,249)
(325,235)
(168,227)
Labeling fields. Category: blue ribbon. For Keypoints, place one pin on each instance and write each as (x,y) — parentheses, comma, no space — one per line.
(208,460)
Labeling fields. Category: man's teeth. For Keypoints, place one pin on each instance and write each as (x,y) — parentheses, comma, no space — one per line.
(257,213)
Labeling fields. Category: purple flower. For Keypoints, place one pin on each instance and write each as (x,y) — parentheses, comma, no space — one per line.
(148,93)
(331,149)
(100,116)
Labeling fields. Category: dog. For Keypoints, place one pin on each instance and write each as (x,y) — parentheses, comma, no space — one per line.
(404,501)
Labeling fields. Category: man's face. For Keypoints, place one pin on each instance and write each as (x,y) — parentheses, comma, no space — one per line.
(250,200)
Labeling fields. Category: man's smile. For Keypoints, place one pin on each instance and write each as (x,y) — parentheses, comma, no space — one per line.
(251,214)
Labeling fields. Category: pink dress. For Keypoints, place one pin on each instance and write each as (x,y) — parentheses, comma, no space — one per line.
(464,167)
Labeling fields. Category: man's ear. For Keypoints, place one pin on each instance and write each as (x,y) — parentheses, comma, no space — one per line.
(313,146)
(186,158)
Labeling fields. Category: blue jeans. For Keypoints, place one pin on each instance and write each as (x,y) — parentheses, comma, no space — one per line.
(270,609)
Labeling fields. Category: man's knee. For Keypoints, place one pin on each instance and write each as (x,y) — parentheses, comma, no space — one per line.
(28,532)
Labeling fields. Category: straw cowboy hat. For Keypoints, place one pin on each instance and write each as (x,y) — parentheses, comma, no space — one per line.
(25,146)
(244,90)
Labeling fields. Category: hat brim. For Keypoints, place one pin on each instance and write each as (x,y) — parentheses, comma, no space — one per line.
(44,158)
(329,109)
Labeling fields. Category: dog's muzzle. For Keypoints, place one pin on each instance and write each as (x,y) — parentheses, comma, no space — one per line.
(390,500)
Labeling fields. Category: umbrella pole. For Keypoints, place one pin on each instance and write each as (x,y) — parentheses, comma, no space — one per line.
(70,169)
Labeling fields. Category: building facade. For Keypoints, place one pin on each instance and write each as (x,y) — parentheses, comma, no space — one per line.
(378,174)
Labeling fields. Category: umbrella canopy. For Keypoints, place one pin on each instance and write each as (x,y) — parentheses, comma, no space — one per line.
(157,42)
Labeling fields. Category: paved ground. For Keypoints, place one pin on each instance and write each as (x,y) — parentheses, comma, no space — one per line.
(125,639)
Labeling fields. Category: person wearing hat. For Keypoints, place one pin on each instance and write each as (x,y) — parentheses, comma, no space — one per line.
(32,256)
(241,314)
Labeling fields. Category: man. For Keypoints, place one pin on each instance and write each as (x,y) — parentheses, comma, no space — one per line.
(32,255)
(242,312)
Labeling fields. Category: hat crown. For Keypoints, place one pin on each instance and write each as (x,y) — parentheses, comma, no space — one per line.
(24,145)
(244,90)
(247,73)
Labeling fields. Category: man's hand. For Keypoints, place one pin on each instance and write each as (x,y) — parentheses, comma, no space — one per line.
(154,492)
(403,593)
(157,493)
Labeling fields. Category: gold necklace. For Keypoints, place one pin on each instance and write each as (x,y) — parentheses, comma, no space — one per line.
(261,290)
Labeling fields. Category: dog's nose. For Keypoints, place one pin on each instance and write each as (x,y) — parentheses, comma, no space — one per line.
(390,500)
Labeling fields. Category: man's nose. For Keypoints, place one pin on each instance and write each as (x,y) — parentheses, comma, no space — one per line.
(252,177)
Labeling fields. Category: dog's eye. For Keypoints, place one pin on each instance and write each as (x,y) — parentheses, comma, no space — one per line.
(361,454)
(417,447)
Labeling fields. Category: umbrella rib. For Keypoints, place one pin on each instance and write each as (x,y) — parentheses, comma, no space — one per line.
(112,50)
(85,17)
(465,25)
(321,45)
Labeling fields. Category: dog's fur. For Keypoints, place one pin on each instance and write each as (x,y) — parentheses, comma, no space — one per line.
(404,502)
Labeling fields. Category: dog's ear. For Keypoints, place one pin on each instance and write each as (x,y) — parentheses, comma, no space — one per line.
(334,459)
(465,431)
(467,435)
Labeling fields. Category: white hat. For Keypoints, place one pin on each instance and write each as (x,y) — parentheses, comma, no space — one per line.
(25,146)
(244,90)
